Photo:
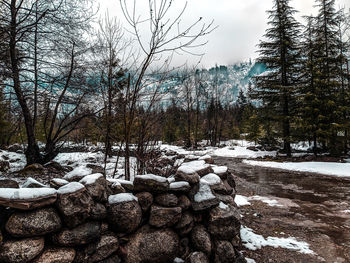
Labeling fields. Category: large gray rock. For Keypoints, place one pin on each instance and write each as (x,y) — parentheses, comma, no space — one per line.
(166,199)
(21,251)
(184,202)
(197,257)
(80,235)
(185,224)
(164,216)
(33,223)
(224,252)
(124,213)
(96,186)
(74,203)
(100,250)
(224,223)
(152,245)
(56,255)
(145,200)
(150,183)
(191,178)
(98,212)
(201,239)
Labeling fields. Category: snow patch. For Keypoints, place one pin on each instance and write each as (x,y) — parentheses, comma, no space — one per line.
(193,166)
(241,200)
(241,152)
(153,177)
(180,184)
(30,181)
(254,241)
(91,178)
(211,179)
(79,171)
(223,205)
(270,202)
(60,181)
(204,193)
(327,168)
(219,169)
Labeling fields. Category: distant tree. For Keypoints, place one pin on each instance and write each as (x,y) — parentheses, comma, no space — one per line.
(279,52)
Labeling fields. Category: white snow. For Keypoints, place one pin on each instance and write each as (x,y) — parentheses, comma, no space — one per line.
(70,188)
(241,200)
(219,169)
(250,260)
(79,171)
(180,184)
(266,200)
(241,152)
(171,179)
(223,205)
(31,180)
(254,241)
(327,168)
(153,177)
(122,181)
(178,260)
(25,193)
(193,166)
(204,193)
(60,181)
(211,179)
(121,198)
(90,179)
(17,160)
(346,211)
(204,157)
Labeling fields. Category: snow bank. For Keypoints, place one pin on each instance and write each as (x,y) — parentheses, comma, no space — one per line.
(254,241)
(327,168)
(121,198)
(25,193)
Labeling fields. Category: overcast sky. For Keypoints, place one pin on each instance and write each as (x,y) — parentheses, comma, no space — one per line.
(241,24)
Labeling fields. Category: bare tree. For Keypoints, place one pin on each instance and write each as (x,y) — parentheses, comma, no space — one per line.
(166,36)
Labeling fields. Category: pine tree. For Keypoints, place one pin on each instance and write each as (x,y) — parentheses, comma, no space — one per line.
(327,77)
(280,53)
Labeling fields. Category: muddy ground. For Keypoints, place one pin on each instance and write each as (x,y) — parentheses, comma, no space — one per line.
(313,211)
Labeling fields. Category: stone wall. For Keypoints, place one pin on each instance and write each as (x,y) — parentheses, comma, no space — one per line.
(188,217)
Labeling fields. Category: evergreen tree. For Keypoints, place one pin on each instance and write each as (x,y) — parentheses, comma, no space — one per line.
(327,77)
(280,53)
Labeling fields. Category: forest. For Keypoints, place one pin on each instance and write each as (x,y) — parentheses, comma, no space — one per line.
(68,76)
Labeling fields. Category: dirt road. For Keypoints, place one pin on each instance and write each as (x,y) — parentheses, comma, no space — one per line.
(316,209)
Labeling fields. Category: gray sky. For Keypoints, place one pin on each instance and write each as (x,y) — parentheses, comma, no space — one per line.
(241,24)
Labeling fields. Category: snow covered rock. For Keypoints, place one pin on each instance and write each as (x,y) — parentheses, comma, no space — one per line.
(201,239)
(74,203)
(224,252)
(152,245)
(180,186)
(164,216)
(197,257)
(224,222)
(8,183)
(96,185)
(98,251)
(58,182)
(168,200)
(80,235)
(145,200)
(151,183)
(221,171)
(124,213)
(21,251)
(56,255)
(27,198)
(204,198)
(33,223)
(115,186)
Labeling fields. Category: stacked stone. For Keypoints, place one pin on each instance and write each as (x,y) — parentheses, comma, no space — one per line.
(189,217)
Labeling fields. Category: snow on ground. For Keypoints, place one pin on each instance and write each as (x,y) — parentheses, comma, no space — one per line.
(269,202)
(254,241)
(241,152)
(18,160)
(241,200)
(327,168)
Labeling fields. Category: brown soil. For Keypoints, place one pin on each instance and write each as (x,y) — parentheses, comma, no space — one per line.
(313,211)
